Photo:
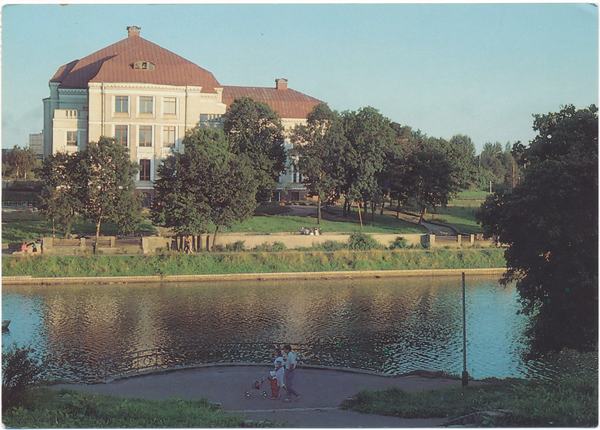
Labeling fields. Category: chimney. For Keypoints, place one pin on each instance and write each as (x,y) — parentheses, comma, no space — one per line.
(133,31)
(281,84)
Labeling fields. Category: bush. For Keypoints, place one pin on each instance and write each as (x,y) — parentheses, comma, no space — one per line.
(19,372)
(399,243)
(236,247)
(362,242)
(266,247)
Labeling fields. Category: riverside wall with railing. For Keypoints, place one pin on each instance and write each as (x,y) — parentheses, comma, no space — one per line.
(112,245)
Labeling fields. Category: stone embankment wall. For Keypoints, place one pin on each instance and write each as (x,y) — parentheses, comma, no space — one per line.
(110,245)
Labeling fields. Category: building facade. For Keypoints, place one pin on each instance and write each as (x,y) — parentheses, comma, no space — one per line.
(36,144)
(147,97)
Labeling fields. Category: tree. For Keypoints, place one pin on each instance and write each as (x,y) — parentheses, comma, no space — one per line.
(549,222)
(254,129)
(22,161)
(61,201)
(319,145)
(208,185)
(428,178)
(106,181)
(369,135)
(460,153)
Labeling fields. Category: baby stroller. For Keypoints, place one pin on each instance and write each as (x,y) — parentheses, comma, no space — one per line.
(257,386)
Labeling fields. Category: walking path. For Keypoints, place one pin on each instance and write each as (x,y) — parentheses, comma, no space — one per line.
(322,392)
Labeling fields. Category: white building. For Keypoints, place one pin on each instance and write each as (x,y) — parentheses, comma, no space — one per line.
(147,97)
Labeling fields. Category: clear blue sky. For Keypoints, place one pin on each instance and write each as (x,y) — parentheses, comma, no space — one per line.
(481,70)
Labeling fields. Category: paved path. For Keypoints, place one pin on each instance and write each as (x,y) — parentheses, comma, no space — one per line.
(322,393)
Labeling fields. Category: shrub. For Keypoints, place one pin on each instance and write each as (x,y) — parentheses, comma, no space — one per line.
(236,247)
(19,372)
(399,243)
(362,242)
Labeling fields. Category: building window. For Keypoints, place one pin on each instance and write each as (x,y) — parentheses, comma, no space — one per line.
(145,135)
(296,175)
(145,170)
(146,105)
(122,104)
(169,105)
(295,196)
(121,134)
(143,65)
(169,136)
(72,138)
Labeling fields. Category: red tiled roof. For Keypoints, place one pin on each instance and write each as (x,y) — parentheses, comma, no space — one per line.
(287,103)
(115,64)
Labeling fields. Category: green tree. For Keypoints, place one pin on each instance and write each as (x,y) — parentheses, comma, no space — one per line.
(22,161)
(255,129)
(428,176)
(460,153)
(61,200)
(549,222)
(369,135)
(206,185)
(106,180)
(319,145)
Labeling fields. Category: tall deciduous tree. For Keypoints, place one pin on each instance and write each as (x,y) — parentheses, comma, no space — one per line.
(550,223)
(428,176)
(369,135)
(208,185)
(255,129)
(319,146)
(61,200)
(22,161)
(107,185)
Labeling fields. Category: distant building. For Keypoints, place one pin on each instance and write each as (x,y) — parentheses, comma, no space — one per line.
(36,143)
(147,97)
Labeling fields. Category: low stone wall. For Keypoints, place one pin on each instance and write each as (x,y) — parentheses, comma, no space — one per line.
(295,241)
(110,245)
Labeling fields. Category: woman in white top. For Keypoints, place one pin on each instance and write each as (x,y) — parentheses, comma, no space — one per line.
(276,374)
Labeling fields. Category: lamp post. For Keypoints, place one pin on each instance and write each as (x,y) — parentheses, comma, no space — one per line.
(465,374)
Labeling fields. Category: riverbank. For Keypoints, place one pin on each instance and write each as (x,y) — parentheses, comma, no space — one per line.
(263,265)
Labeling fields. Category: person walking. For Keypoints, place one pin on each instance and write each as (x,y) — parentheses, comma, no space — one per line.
(276,375)
(290,367)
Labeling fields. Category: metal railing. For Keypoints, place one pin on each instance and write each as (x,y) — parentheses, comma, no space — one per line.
(186,356)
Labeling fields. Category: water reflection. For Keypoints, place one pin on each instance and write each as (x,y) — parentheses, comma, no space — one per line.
(415,322)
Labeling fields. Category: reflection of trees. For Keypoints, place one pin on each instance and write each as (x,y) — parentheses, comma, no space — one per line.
(414,318)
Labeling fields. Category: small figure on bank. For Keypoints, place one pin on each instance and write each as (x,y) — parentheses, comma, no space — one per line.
(290,367)
(276,374)
(188,246)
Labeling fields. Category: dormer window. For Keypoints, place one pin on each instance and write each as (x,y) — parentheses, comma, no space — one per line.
(143,65)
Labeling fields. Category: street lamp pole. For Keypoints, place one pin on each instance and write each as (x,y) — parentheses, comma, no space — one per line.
(465,374)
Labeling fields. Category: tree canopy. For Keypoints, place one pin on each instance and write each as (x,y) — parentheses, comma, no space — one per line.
(21,161)
(106,185)
(254,129)
(206,186)
(319,145)
(96,183)
(549,222)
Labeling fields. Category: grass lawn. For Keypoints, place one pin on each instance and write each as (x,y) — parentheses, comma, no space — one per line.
(279,223)
(570,399)
(52,408)
(460,212)
(21,226)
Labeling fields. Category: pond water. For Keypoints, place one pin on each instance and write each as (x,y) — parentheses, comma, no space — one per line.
(415,322)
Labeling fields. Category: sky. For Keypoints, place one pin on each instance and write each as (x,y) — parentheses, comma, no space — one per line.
(477,69)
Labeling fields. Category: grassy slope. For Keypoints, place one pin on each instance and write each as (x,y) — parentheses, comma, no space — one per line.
(174,263)
(272,219)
